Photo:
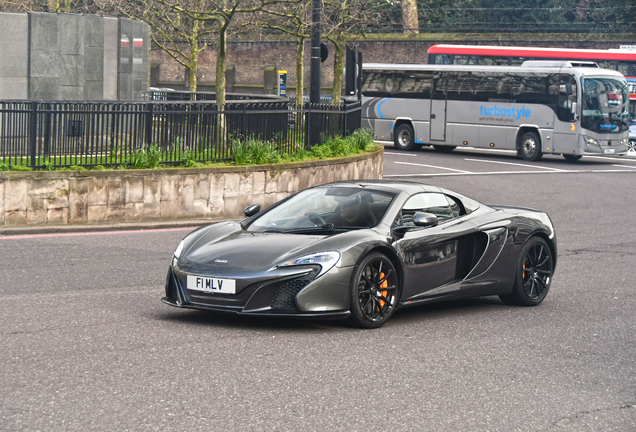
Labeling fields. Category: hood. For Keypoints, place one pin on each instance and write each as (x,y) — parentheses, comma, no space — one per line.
(231,250)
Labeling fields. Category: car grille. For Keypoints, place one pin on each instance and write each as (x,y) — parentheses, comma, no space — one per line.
(285,297)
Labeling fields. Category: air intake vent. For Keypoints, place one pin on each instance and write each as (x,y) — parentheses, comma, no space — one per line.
(285,297)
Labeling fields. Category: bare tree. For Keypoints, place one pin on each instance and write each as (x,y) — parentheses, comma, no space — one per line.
(342,20)
(409,16)
(292,19)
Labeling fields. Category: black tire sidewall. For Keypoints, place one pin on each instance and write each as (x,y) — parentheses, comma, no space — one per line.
(537,153)
(358,318)
(519,292)
(396,140)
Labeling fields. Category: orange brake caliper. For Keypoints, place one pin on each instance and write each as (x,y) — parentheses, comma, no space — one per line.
(384,284)
(523,273)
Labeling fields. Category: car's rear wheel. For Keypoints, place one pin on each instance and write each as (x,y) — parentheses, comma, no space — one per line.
(374,291)
(530,146)
(533,277)
(404,137)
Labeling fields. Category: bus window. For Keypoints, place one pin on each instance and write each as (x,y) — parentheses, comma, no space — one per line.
(465,60)
(627,68)
(494,60)
(605,64)
(442,59)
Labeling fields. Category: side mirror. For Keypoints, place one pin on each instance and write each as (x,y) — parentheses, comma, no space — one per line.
(423,219)
(574,110)
(251,210)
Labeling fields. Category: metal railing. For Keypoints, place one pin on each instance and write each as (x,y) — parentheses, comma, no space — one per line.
(50,134)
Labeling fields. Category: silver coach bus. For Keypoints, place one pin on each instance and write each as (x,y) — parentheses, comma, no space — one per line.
(541,107)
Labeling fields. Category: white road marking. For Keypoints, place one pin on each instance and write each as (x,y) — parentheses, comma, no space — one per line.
(624,166)
(401,154)
(510,172)
(511,163)
(433,166)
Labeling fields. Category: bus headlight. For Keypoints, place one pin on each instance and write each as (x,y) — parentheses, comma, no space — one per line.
(590,141)
(624,141)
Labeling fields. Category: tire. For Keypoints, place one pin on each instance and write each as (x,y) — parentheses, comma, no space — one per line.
(533,275)
(404,138)
(375,291)
(444,149)
(530,146)
(572,158)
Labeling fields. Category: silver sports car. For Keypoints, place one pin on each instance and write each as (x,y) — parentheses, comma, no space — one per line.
(360,250)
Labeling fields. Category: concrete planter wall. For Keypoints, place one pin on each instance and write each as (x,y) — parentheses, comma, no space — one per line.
(94,197)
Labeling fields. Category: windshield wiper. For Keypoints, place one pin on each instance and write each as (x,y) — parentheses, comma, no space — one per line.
(322,228)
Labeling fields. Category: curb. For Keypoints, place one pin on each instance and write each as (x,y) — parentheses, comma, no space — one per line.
(126,226)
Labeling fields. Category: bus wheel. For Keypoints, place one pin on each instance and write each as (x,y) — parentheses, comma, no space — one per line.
(404,137)
(444,149)
(572,158)
(530,148)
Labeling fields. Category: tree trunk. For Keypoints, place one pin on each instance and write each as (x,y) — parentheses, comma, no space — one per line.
(300,67)
(338,70)
(194,64)
(221,55)
(409,16)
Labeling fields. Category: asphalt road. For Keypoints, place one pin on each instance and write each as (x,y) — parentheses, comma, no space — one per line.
(87,345)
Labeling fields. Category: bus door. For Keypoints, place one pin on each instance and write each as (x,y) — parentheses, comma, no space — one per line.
(566,125)
(438,107)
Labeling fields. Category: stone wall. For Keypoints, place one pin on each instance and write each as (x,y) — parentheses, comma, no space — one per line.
(96,197)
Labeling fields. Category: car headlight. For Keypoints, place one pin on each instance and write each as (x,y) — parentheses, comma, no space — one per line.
(177,252)
(590,141)
(326,260)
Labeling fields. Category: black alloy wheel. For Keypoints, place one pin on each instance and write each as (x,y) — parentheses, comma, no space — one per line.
(572,158)
(374,291)
(403,137)
(534,274)
(530,146)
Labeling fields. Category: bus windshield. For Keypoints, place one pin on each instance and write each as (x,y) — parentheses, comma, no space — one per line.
(605,105)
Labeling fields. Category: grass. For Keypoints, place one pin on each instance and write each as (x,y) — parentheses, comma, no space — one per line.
(245,152)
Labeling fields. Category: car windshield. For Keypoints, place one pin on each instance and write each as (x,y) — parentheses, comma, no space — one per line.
(605,105)
(325,209)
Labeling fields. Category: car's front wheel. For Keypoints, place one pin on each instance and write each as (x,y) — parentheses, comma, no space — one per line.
(533,277)
(374,291)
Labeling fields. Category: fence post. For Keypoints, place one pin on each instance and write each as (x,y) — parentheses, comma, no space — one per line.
(149,124)
(308,143)
(33,132)
(345,123)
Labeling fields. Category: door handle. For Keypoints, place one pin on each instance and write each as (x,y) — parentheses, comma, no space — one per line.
(432,116)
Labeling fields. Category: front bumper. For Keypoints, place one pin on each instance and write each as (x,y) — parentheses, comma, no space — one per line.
(299,295)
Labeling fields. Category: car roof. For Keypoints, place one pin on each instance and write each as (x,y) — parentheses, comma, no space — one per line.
(394,186)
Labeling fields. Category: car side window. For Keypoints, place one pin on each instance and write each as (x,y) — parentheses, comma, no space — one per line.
(434,203)
(456,206)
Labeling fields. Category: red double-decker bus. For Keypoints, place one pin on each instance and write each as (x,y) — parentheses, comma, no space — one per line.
(622,60)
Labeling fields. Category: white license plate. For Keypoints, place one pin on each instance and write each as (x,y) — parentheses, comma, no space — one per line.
(211,285)
(608,150)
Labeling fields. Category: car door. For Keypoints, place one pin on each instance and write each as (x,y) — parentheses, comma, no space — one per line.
(433,257)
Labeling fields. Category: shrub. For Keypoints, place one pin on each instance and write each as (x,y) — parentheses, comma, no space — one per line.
(145,157)
(254,152)
(189,159)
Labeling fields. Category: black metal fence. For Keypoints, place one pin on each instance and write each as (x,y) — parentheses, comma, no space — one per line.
(43,135)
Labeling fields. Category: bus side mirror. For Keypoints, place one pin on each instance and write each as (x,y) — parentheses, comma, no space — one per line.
(574,110)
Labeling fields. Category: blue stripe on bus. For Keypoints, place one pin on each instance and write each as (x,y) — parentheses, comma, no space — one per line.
(377,108)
